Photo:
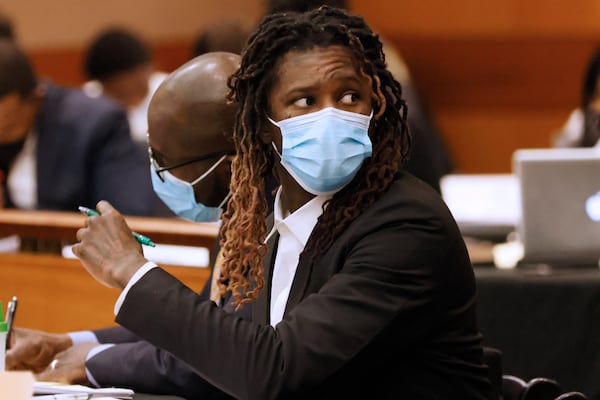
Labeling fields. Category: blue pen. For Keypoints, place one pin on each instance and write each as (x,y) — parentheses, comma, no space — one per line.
(140,238)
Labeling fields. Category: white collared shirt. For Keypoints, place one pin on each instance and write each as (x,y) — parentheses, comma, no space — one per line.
(22,177)
(294,230)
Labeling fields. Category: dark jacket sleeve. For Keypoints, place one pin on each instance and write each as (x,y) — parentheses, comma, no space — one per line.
(120,171)
(136,364)
(146,369)
(115,334)
(85,154)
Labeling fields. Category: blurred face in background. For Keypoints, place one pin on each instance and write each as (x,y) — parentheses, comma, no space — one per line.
(129,88)
(17,116)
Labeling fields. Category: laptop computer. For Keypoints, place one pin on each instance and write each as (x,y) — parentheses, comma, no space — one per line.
(485,206)
(560,205)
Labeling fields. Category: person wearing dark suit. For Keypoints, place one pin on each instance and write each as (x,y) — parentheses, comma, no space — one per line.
(363,288)
(60,149)
(192,97)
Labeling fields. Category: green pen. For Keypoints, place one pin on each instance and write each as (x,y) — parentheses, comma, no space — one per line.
(140,238)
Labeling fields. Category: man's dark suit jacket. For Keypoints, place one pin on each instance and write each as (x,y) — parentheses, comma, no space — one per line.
(136,364)
(387,312)
(85,154)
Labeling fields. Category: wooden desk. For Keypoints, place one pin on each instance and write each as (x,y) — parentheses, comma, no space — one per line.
(58,295)
(58,225)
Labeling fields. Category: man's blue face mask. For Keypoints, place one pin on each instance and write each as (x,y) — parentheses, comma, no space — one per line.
(179,196)
(324,150)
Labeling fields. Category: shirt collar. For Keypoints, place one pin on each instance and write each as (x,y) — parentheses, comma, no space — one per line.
(302,221)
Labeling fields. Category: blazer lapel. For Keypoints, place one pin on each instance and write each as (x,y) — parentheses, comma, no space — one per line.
(262,305)
(300,282)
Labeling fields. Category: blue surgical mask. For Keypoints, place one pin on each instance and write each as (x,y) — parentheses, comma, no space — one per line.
(324,150)
(179,196)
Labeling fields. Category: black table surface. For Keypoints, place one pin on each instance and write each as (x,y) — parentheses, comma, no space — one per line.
(546,322)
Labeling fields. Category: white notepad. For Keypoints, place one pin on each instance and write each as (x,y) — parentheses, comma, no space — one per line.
(40,388)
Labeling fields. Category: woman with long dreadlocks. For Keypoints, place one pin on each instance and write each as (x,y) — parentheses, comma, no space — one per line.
(360,283)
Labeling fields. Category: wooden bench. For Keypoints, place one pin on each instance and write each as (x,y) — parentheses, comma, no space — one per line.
(57,294)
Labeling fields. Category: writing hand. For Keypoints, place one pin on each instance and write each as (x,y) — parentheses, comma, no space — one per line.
(68,366)
(34,350)
(107,249)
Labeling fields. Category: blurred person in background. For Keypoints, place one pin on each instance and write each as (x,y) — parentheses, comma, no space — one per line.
(119,65)
(224,35)
(60,149)
(7,30)
(582,128)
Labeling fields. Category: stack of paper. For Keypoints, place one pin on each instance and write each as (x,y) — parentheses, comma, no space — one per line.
(54,388)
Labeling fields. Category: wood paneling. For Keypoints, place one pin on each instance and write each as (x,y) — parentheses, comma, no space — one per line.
(476,18)
(518,73)
(58,295)
(64,65)
(495,75)
(489,96)
(42,24)
(483,140)
(492,96)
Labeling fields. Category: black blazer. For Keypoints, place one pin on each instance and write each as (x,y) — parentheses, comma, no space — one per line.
(85,154)
(136,364)
(387,312)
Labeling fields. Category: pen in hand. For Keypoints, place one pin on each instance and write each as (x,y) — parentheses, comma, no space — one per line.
(140,238)
(10,318)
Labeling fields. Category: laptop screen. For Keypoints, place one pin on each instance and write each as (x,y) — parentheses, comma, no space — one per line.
(560,205)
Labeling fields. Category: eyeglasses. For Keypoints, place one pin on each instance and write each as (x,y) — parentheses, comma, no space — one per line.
(159,170)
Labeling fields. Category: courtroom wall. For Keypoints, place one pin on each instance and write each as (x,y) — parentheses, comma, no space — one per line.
(497,75)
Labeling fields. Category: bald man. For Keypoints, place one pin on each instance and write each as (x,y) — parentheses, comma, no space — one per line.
(189,132)
(189,127)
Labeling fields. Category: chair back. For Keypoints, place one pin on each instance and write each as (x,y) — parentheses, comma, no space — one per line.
(512,387)
(541,389)
(492,357)
(572,396)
